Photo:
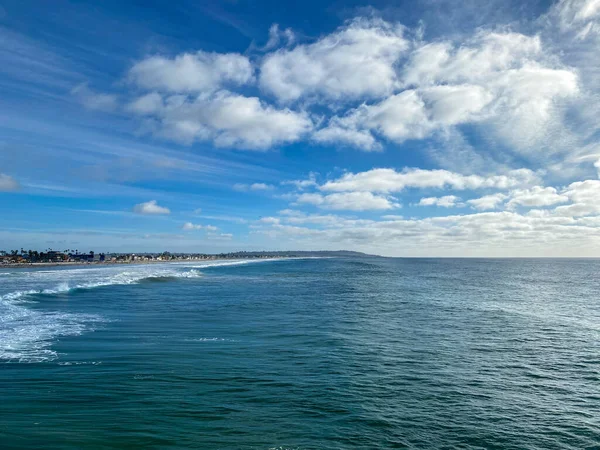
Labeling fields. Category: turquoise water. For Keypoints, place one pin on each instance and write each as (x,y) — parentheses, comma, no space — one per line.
(303,354)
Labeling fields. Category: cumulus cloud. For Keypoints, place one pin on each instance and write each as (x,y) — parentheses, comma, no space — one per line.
(350,201)
(390,180)
(479,58)
(411,114)
(150,208)
(585,198)
(189,102)
(189,226)
(480,234)
(536,196)
(8,183)
(192,72)
(492,201)
(567,217)
(356,61)
(363,85)
(229,120)
(501,81)
(151,103)
(447,201)
(338,132)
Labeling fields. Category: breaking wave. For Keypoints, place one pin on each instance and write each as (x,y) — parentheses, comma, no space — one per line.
(27,333)
(123,278)
(233,263)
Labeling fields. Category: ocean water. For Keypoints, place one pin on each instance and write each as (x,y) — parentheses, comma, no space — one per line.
(336,353)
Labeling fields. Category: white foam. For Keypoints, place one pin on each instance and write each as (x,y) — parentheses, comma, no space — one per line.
(26,334)
(213,339)
(123,278)
(231,263)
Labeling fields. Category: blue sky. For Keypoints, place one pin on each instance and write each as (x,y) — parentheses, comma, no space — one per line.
(416,128)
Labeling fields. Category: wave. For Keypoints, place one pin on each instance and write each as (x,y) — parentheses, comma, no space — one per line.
(27,334)
(236,263)
(214,339)
(123,278)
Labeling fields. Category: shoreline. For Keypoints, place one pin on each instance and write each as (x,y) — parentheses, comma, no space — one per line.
(121,263)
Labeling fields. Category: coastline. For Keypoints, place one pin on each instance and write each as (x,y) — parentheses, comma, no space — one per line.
(121,263)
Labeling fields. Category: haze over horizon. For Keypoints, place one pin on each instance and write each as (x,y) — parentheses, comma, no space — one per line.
(427,128)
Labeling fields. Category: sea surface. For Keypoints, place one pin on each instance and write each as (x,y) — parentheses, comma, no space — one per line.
(370,353)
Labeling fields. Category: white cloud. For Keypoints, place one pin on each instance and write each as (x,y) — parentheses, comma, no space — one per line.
(487,202)
(480,234)
(380,85)
(315,219)
(535,197)
(447,201)
(356,61)
(8,183)
(477,59)
(229,120)
(253,187)
(147,104)
(585,198)
(311,181)
(291,213)
(398,118)
(338,133)
(270,220)
(150,208)
(277,37)
(577,15)
(94,100)
(389,180)
(452,105)
(189,226)
(192,72)
(501,81)
(411,114)
(350,201)
(526,112)
(260,187)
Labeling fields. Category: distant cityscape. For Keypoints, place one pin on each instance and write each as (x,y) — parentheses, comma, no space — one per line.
(49,256)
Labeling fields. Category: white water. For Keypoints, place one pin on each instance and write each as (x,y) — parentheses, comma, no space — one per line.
(26,334)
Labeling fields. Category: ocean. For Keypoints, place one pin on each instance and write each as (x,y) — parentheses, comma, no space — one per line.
(332,353)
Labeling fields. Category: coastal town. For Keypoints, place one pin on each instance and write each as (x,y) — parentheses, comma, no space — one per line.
(24,257)
(31,257)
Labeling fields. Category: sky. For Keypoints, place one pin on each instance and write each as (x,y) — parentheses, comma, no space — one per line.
(405,128)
